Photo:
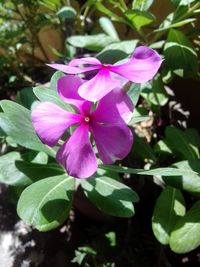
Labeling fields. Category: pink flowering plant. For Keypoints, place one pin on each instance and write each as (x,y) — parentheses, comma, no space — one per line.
(106,123)
(109,116)
(80,127)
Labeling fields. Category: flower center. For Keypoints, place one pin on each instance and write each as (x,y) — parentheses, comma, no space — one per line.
(87,119)
(106,66)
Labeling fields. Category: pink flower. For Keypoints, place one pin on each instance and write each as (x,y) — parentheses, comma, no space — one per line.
(105,124)
(140,68)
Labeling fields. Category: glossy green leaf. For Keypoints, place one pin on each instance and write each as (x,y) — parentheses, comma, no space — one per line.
(138,119)
(155,92)
(187,181)
(36,171)
(117,51)
(176,24)
(54,79)
(11,175)
(108,27)
(2,133)
(180,55)
(127,46)
(46,204)
(16,122)
(143,150)
(157,45)
(179,142)
(186,234)
(110,196)
(51,4)
(168,209)
(134,92)
(162,147)
(139,19)
(44,94)
(92,42)
(41,157)
(26,97)
(108,12)
(142,5)
(167,171)
(22,173)
(193,137)
(182,2)
(67,12)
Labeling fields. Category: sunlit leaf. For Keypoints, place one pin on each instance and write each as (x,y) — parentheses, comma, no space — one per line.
(168,209)
(186,233)
(46,204)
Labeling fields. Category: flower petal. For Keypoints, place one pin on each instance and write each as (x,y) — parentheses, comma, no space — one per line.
(68,90)
(85,60)
(142,66)
(70,69)
(99,86)
(50,122)
(113,107)
(77,155)
(113,142)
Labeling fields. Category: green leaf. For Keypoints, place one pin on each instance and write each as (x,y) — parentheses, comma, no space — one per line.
(108,28)
(188,181)
(81,253)
(176,24)
(26,97)
(46,204)
(79,257)
(142,5)
(67,12)
(182,2)
(36,171)
(44,94)
(16,123)
(2,133)
(111,236)
(117,51)
(165,171)
(51,4)
(155,92)
(186,234)
(157,45)
(138,119)
(139,19)
(54,79)
(168,209)
(99,6)
(92,42)
(143,150)
(22,173)
(134,92)
(11,175)
(162,147)
(110,196)
(10,142)
(179,142)
(193,137)
(180,55)
(127,46)
(41,157)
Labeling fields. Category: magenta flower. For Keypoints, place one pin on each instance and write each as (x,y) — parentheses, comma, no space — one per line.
(140,68)
(106,124)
